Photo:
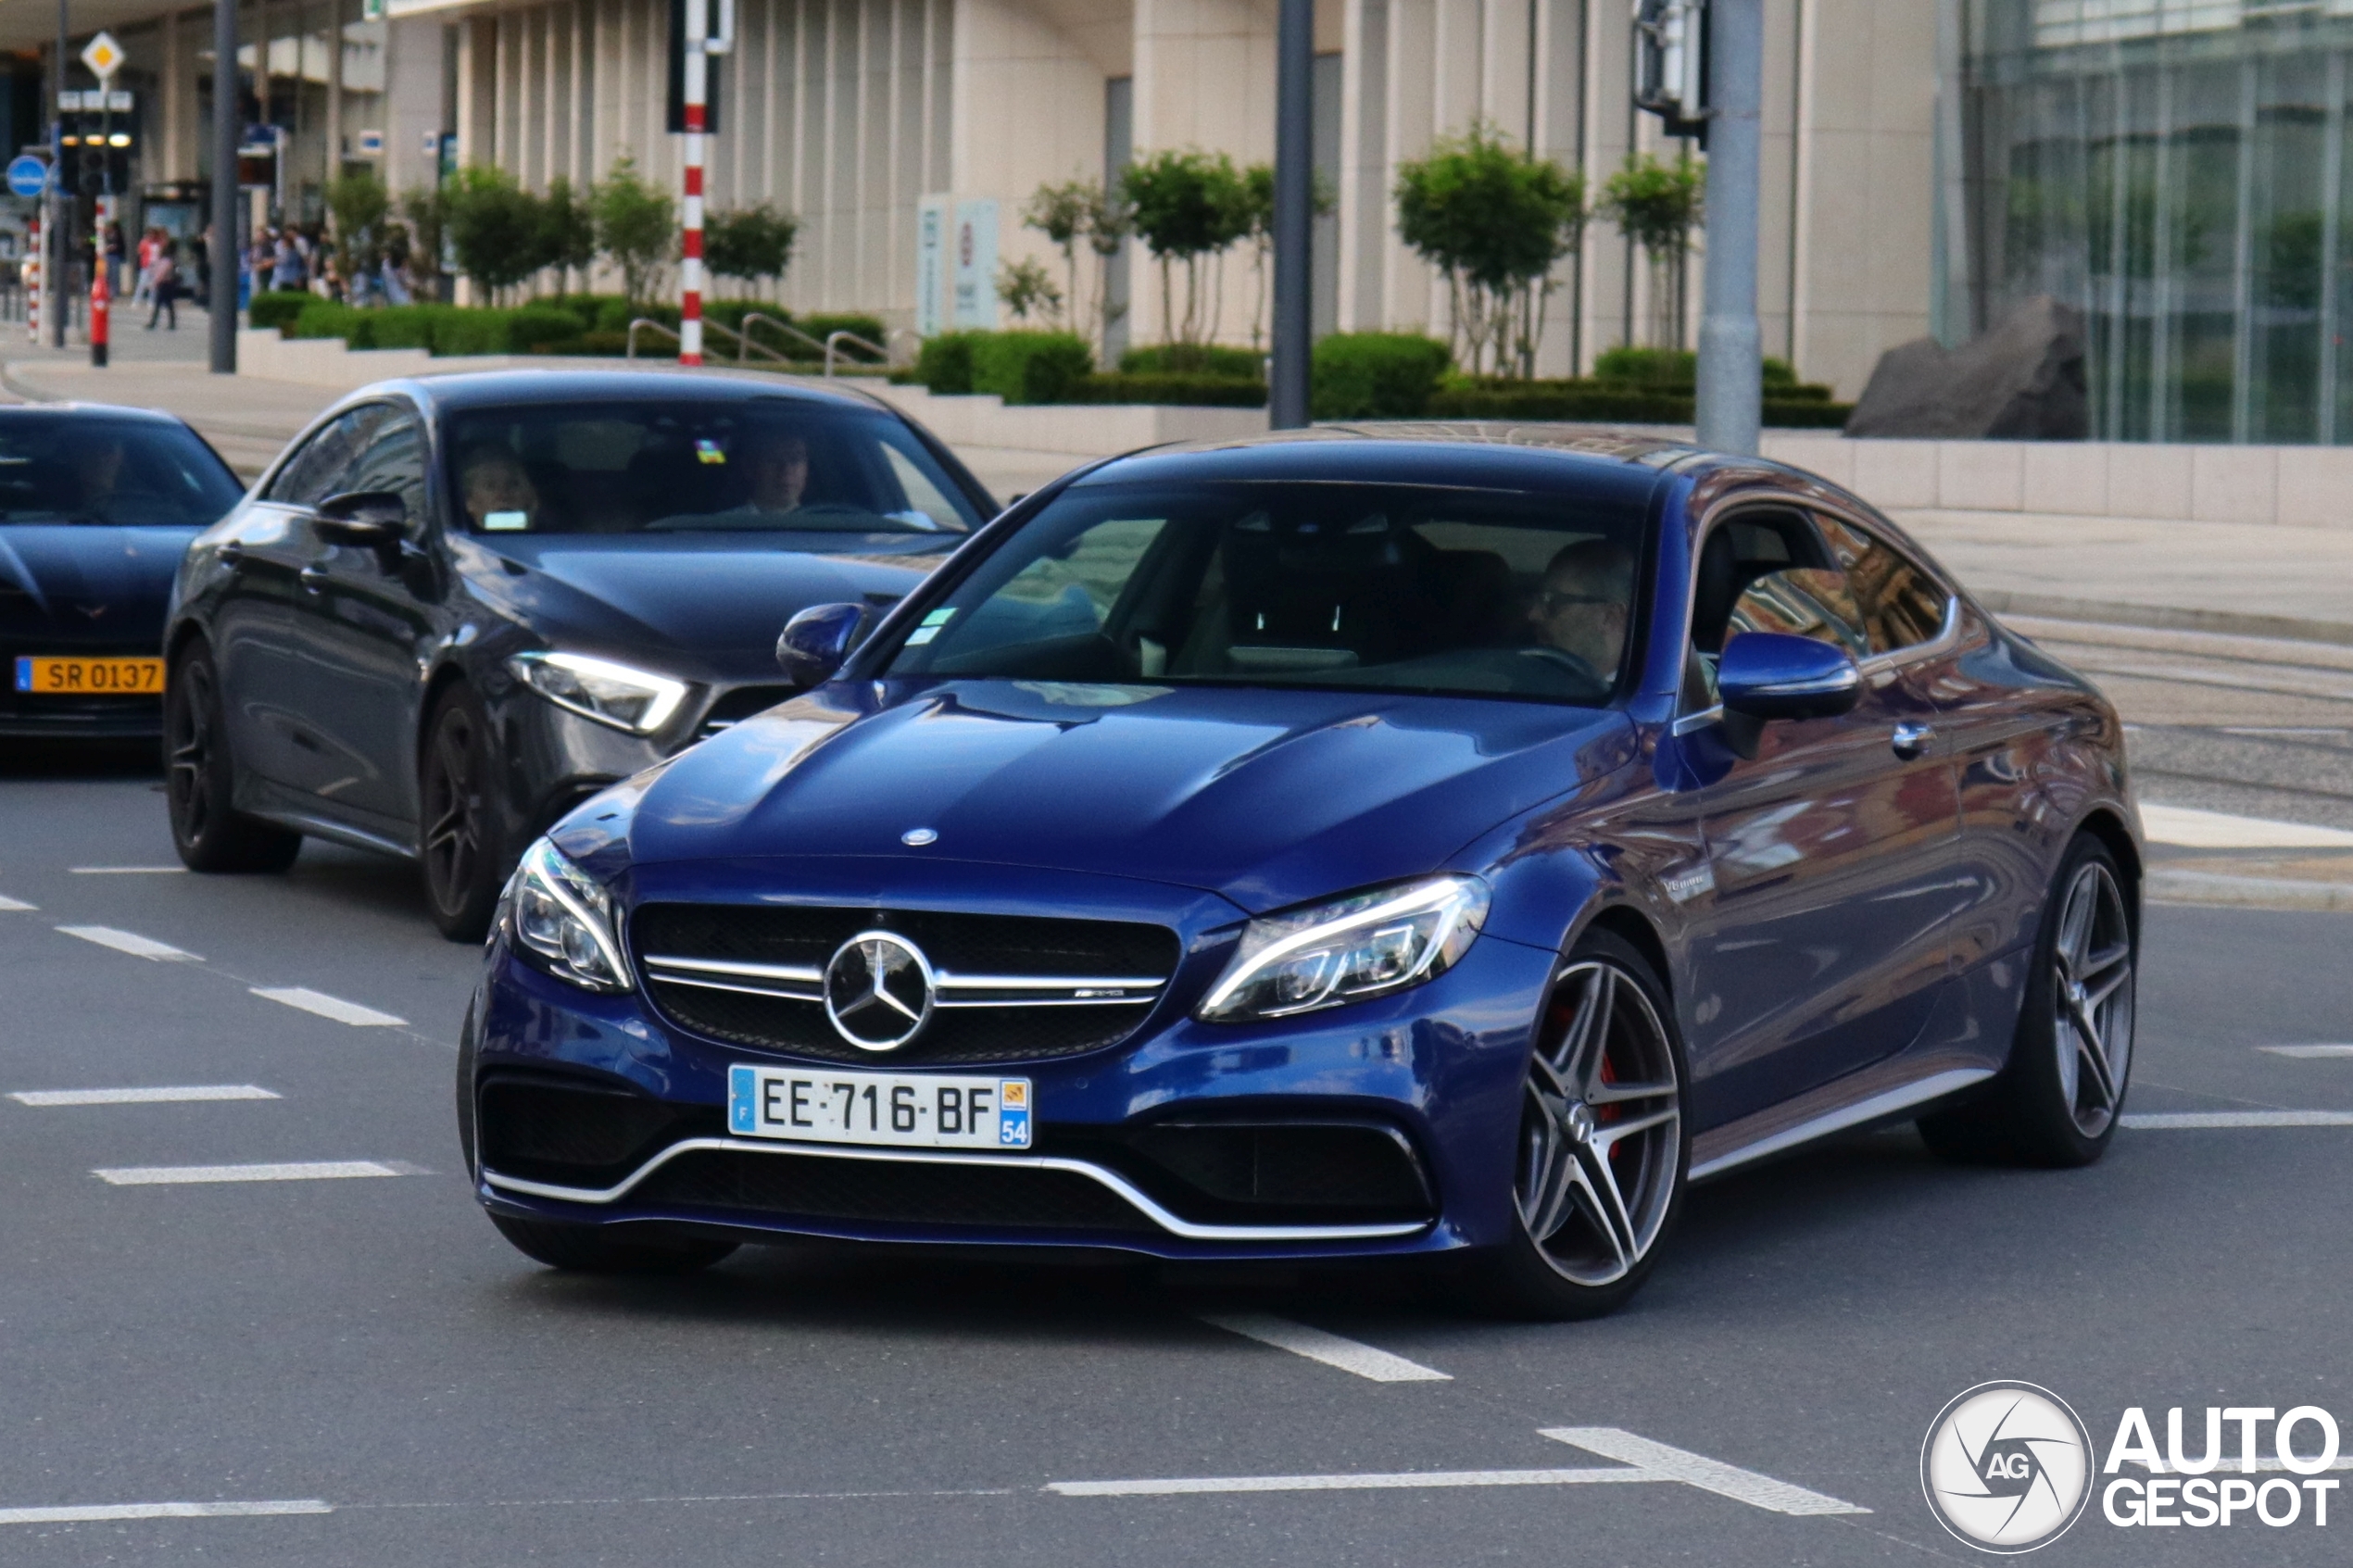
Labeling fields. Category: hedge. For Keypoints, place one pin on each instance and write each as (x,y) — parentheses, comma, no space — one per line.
(1678,370)
(1208,392)
(1376,375)
(945,363)
(1620,402)
(278,307)
(1030,367)
(1194,359)
(442,329)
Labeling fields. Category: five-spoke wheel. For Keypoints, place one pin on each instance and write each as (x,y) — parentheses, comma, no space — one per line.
(1601,1150)
(459,843)
(200,779)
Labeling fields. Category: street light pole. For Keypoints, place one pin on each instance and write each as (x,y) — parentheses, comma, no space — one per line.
(222,301)
(1730,369)
(54,226)
(1294,214)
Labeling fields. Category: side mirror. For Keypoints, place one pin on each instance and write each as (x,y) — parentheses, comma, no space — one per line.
(1767,675)
(374,519)
(816,642)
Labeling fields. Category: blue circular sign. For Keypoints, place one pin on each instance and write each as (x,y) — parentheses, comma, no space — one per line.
(28,175)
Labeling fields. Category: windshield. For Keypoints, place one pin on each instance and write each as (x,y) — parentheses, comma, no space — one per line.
(110,472)
(1390,588)
(759,465)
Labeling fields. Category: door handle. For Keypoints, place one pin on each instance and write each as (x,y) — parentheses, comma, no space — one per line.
(1910,739)
(313,579)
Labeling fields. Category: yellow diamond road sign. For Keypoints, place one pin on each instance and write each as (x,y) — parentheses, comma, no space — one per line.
(103,56)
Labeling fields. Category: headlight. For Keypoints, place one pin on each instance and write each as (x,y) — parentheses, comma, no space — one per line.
(1349,950)
(600,689)
(564,921)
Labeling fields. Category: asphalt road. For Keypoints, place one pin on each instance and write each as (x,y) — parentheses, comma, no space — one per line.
(367,1347)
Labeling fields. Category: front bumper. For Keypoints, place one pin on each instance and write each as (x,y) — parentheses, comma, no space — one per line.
(1137,1144)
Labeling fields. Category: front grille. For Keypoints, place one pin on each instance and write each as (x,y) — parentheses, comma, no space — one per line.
(889,1192)
(782,1009)
(578,1134)
(1261,1172)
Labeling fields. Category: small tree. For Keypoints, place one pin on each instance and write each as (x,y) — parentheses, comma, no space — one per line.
(1110,220)
(1258,183)
(1063,213)
(569,235)
(498,229)
(1188,206)
(1027,287)
(1657,205)
(1492,220)
(750,243)
(426,210)
(636,227)
(359,204)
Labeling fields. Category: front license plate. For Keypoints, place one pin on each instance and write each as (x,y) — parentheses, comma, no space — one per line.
(898,1109)
(85,677)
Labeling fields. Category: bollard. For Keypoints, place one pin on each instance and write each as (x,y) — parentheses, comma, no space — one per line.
(98,310)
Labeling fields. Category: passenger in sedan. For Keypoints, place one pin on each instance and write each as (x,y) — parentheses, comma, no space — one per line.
(780,475)
(499,495)
(1581,609)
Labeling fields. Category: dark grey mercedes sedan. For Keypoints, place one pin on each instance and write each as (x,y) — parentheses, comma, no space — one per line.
(456,606)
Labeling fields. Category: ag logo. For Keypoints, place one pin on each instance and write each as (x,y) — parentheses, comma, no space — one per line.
(2006,1467)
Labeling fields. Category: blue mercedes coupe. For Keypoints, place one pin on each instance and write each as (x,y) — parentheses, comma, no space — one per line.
(1376,842)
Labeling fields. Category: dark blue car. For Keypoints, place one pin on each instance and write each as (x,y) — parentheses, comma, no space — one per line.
(98,505)
(1398,842)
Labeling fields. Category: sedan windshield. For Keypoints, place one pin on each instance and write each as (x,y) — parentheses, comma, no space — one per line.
(77,468)
(759,465)
(1388,587)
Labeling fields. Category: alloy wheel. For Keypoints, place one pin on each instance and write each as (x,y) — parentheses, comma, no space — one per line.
(453,835)
(1600,1127)
(2092,998)
(188,777)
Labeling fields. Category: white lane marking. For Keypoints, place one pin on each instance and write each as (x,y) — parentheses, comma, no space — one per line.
(130,942)
(1330,1349)
(1698,1470)
(2193,829)
(128,871)
(160,1095)
(330,1006)
(1411,1478)
(1643,1461)
(310,1171)
(2307,1053)
(2177,1120)
(99,1512)
(11,906)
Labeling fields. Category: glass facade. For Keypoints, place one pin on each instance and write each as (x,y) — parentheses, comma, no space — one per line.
(2176,170)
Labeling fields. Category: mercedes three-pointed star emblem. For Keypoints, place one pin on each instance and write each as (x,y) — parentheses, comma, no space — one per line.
(878,990)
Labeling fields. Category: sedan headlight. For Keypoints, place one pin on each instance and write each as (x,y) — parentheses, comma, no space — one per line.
(563,920)
(611,694)
(1344,951)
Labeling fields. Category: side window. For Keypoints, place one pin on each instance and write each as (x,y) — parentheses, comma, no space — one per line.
(311,475)
(393,459)
(1900,604)
(1767,571)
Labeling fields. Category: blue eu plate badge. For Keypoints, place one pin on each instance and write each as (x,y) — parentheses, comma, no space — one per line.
(1013,1112)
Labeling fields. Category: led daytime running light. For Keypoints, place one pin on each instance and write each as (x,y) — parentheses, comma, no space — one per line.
(1460,902)
(546,872)
(570,681)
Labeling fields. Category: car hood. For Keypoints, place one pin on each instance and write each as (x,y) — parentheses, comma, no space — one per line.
(1268,797)
(699,606)
(86,585)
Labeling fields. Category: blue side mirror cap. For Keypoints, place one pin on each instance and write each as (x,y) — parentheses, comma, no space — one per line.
(1772,675)
(817,641)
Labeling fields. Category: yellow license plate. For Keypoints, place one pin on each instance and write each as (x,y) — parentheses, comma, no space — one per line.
(89,677)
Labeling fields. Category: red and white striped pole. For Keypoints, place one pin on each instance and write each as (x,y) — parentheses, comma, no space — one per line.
(698,96)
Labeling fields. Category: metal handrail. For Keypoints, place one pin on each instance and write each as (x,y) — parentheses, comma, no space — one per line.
(743,343)
(897,335)
(782,326)
(646,321)
(834,339)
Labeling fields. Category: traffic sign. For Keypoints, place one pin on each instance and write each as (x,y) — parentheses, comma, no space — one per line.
(28,176)
(103,56)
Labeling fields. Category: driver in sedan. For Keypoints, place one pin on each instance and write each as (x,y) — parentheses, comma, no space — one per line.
(499,495)
(1581,609)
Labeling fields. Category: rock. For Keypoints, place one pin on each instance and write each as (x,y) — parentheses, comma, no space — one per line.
(2022,381)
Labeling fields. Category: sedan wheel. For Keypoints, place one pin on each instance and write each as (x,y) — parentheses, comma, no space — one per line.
(200,782)
(459,843)
(1601,1150)
(2058,1101)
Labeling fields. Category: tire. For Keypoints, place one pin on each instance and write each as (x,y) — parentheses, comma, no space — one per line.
(200,779)
(1604,1152)
(459,843)
(2058,1101)
(596,1249)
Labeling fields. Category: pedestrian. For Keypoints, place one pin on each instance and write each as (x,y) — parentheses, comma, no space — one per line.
(164,287)
(286,269)
(118,250)
(141,290)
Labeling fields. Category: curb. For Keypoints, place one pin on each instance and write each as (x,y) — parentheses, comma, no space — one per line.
(2167,617)
(2166,885)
